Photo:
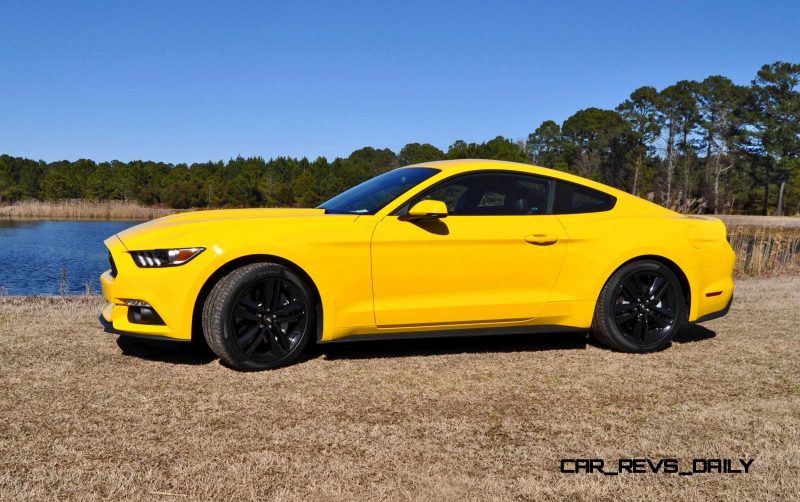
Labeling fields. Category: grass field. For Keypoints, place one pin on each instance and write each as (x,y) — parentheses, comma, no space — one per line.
(459,419)
(759,221)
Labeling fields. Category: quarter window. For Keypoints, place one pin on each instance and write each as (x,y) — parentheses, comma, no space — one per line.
(571,199)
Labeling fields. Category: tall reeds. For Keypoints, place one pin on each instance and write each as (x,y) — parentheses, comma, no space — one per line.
(765,250)
(82,210)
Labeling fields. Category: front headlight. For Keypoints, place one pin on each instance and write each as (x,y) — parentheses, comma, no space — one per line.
(164,257)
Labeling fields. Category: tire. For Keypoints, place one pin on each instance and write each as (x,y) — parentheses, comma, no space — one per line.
(640,309)
(259,317)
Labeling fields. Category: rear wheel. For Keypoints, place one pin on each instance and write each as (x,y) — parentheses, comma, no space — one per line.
(640,308)
(258,317)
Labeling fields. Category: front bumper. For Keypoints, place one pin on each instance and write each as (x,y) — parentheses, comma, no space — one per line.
(108,327)
(171,291)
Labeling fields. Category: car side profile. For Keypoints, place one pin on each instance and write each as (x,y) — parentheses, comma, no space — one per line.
(435,249)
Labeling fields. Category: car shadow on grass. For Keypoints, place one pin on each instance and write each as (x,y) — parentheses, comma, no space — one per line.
(479,344)
(199,353)
(693,333)
(415,347)
(166,352)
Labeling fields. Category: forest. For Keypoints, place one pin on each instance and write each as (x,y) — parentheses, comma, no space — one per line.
(710,146)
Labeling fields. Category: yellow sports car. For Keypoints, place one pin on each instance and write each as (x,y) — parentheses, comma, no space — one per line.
(435,249)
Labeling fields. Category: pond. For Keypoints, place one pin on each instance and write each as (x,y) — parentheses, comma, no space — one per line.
(44,257)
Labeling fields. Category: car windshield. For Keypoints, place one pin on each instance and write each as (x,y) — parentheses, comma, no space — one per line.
(369,197)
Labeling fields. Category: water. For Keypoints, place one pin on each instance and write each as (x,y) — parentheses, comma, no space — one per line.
(34,253)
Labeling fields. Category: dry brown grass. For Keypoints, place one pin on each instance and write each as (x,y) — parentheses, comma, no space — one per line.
(478,419)
(82,210)
(749,220)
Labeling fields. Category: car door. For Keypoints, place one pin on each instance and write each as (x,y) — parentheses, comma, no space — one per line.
(494,258)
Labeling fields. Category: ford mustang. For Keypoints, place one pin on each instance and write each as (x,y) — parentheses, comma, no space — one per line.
(435,249)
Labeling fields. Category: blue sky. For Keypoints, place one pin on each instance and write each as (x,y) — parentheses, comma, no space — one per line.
(197,80)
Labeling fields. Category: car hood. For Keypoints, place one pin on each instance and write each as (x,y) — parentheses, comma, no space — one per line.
(194,228)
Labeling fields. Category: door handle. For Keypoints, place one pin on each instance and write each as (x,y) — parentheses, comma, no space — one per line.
(541,239)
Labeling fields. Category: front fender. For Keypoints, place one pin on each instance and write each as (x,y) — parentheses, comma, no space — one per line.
(337,262)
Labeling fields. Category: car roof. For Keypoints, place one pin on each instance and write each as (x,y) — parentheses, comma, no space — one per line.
(467,165)
(459,166)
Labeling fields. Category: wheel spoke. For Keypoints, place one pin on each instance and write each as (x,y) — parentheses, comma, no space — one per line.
(283,338)
(623,318)
(658,320)
(626,288)
(638,330)
(248,336)
(248,304)
(257,341)
(657,288)
(243,312)
(265,292)
(664,311)
(275,294)
(641,288)
(294,311)
(620,308)
(624,312)
(294,317)
(264,334)
(281,344)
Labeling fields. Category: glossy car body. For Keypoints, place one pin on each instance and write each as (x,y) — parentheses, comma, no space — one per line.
(383,274)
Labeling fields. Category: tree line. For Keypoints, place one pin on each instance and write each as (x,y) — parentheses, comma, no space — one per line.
(711,146)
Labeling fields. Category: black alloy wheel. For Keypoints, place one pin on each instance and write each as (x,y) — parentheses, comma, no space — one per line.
(644,310)
(269,318)
(640,308)
(259,316)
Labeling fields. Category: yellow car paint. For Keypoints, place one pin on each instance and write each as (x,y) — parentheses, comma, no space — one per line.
(383,274)
(426,208)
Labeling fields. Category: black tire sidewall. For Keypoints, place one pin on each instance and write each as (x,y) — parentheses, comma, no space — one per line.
(256,274)
(619,339)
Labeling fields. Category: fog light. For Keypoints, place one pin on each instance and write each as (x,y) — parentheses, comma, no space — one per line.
(137,303)
(140,312)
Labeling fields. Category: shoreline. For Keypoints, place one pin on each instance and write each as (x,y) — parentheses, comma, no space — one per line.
(62,218)
(86,210)
(113,211)
(77,210)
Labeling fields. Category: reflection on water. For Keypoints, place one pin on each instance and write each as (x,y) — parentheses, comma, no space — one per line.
(17,223)
(35,253)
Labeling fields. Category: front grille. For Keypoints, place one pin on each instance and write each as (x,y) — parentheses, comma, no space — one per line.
(113,265)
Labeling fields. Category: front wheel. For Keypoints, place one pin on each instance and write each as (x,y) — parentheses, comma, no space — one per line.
(640,308)
(259,317)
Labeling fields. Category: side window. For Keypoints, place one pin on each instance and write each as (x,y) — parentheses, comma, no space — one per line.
(449,193)
(492,199)
(571,199)
(483,194)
